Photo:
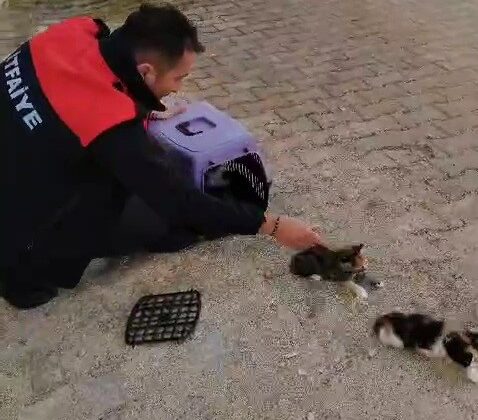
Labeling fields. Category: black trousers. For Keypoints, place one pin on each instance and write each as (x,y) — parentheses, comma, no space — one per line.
(101,220)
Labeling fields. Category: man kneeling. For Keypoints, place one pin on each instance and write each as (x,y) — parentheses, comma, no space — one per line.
(80,178)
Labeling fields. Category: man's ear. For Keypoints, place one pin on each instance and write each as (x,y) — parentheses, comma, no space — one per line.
(145,70)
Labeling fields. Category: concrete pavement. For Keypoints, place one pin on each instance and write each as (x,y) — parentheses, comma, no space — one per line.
(368,114)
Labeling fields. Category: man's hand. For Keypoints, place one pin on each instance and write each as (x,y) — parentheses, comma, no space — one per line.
(174,105)
(290,232)
(169,113)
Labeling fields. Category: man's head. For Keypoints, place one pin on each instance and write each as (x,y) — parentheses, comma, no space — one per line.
(165,45)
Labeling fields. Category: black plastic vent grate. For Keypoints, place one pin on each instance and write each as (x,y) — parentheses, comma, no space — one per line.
(165,317)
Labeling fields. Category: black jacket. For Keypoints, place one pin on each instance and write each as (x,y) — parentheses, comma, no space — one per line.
(72,102)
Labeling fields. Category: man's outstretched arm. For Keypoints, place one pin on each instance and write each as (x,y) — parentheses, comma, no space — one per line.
(134,159)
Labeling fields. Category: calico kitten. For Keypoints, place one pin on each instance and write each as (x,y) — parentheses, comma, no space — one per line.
(427,336)
(340,265)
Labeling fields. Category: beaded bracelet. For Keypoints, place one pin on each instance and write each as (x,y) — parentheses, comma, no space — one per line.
(276,226)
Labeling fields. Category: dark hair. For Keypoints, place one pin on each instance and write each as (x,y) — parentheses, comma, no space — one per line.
(161,29)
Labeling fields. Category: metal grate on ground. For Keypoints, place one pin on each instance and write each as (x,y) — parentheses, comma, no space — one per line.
(166,317)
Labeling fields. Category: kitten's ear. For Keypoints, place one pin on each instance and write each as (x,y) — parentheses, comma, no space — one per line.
(357,248)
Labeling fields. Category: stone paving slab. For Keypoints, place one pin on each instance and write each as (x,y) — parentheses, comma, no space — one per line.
(368,114)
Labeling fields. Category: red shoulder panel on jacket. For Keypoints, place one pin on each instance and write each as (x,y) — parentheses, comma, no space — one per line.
(77,81)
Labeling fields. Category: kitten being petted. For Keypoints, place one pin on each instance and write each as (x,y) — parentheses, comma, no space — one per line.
(429,337)
(341,265)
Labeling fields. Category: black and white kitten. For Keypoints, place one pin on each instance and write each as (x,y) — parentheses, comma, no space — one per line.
(429,337)
(340,265)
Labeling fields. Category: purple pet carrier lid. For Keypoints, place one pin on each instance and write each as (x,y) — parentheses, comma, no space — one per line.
(200,128)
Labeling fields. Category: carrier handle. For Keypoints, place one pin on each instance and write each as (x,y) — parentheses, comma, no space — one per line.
(184,128)
(200,122)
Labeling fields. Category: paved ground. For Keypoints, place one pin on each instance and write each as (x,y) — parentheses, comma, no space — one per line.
(367,111)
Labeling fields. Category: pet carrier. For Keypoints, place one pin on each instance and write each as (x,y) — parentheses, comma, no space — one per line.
(215,152)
